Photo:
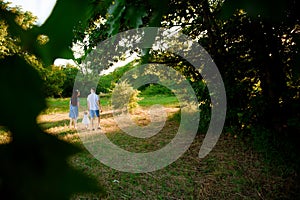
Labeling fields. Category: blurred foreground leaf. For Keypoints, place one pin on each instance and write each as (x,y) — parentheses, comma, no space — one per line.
(34,165)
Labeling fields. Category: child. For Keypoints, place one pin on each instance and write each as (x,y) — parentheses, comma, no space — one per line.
(86,120)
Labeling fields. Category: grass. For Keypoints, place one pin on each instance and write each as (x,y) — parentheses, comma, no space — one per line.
(165,100)
(61,105)
(232,170)
(228,172)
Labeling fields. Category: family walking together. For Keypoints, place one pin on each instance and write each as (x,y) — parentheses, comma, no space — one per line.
(94,109)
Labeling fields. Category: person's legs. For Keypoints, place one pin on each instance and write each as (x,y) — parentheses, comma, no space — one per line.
(70,125)
(98,118)
(92,115)
(99,127)
(76,113)
(92,123)
(75,123)
(73,114)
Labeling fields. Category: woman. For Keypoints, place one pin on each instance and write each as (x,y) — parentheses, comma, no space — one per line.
(74,105)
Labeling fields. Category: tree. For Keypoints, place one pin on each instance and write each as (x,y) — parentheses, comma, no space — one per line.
(255,47)
(256,64)
(70,72)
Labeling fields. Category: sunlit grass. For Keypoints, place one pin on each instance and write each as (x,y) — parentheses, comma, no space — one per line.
(61,105)
(165,100)
(5,136)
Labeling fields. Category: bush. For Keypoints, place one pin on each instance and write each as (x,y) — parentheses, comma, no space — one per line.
(125,96)
(155,89)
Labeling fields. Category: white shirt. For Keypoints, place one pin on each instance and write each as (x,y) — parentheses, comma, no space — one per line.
(92,101)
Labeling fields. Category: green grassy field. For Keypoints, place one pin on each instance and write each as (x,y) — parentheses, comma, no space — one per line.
(61,105)
(158,99)
(232,170)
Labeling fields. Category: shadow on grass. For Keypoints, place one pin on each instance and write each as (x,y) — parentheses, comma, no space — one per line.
(47,125)
(61,130)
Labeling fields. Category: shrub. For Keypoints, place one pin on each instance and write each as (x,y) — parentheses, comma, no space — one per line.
(155,89)
(125,96)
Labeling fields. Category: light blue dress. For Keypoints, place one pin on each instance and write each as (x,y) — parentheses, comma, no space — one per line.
(73,111)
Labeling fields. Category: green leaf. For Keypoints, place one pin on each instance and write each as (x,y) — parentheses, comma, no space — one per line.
(59,28)
(115,12)
(21,86)
(134,16)
(34,164)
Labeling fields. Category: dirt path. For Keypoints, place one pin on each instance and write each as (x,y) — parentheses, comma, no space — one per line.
(107,122)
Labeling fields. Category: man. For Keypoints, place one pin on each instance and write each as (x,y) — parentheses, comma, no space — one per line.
(94,107)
